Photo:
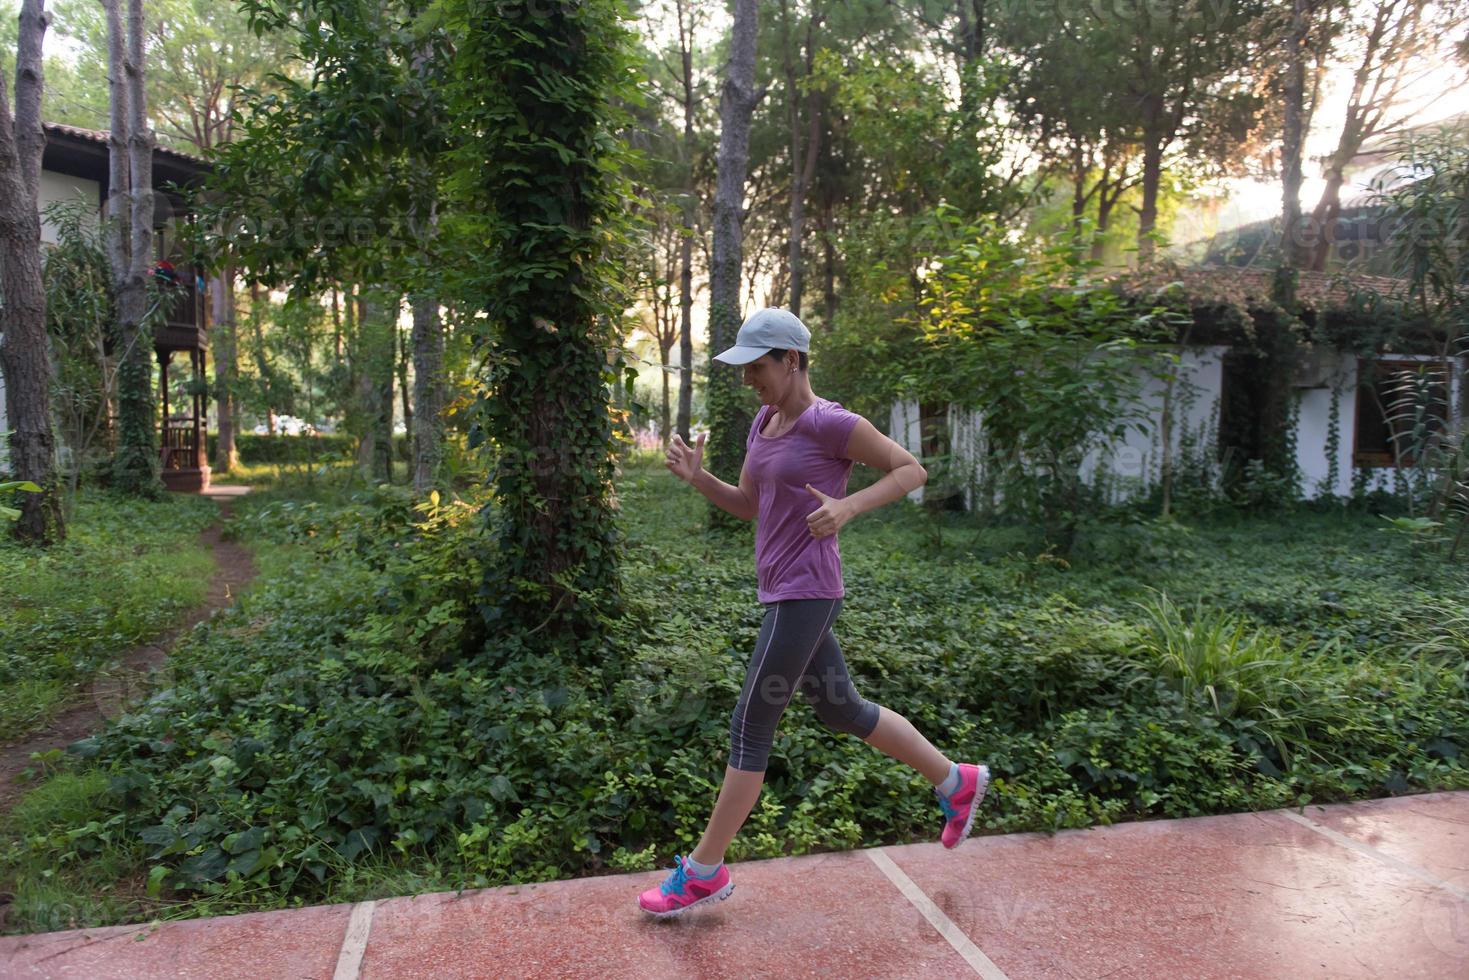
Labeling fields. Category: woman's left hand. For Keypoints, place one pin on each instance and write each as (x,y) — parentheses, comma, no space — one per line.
(830,516)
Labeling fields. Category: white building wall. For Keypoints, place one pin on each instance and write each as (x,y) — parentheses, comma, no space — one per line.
(1329,377)
(903,429)
(59,187)
(1133,464)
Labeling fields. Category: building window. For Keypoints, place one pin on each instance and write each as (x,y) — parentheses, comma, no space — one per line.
(1392,396)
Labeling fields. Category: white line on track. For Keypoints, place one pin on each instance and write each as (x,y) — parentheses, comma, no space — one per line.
(354,943)
(962,944)
(1373,852)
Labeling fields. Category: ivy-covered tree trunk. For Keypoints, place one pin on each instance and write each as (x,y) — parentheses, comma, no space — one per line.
(24,350)
(538,84)
(136,465)
(729,419)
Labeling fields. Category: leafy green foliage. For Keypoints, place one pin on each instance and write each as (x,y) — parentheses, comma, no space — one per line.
(1051,363)
(15,486)
(1249,676)
(127,571)
(539,198)
(326,740)
(80,320)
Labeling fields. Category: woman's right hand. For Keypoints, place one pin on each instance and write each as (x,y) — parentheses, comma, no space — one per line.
(683,460)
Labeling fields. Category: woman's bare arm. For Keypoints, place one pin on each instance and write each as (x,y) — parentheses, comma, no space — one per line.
(904,473)
(867,445)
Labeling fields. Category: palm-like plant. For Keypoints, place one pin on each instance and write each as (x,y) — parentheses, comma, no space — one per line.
(1244,675)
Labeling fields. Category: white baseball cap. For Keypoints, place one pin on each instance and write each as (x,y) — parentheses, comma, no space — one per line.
(765,330)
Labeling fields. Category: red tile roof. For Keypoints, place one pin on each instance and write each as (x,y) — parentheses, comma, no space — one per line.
(1249,288)
(102,136)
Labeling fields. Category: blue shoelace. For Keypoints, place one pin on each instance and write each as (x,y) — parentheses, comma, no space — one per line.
(949,811)
(675,882)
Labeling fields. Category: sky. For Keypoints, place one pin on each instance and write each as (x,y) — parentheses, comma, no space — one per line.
(1234,202)
(1441,92)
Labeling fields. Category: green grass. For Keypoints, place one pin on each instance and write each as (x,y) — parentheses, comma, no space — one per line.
(67,881)
(327,741)
(329,476)
(127,571)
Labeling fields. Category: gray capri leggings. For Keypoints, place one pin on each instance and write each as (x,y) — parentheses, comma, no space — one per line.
(796,650)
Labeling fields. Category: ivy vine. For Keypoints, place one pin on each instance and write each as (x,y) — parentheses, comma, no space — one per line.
(539,91)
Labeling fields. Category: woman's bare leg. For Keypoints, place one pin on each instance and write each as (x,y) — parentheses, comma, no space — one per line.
(736,799)
(896,736)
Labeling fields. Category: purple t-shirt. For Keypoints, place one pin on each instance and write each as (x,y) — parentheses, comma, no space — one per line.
(790,562)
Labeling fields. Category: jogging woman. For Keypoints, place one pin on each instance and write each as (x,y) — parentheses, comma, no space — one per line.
(799,453)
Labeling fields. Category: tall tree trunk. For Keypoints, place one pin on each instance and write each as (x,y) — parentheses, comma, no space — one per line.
(798,206)
(136,463)
(375,386)
(25,357)
(361,345)
(803,158)
(1080,167)
(1147,218)
(1395,41)
(829,260)
(367,410)
(1292,249)
(425,422)
(1324,216)
(685,332)
(428,392)
(665,352)
(401,363)
(262,363)
(970,50)
(729,420)
(226,369)
(351,350)
(1109,192)
(336,323)
(686,251)
(972,24)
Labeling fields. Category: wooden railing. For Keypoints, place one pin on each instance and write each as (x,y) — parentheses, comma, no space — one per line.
(180,451)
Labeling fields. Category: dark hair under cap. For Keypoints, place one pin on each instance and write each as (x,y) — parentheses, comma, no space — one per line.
(778,355)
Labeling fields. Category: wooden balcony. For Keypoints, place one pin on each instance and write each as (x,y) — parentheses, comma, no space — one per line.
(183,328)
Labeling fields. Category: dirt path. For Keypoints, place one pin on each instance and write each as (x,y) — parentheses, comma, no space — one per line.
(128,677)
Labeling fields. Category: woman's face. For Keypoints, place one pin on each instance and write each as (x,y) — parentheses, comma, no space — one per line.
(771,379)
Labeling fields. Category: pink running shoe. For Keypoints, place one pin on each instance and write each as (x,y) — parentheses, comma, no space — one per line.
(959,809)
(682,890)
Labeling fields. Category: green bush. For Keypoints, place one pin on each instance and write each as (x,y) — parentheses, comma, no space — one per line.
(287,449)
(333,731)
